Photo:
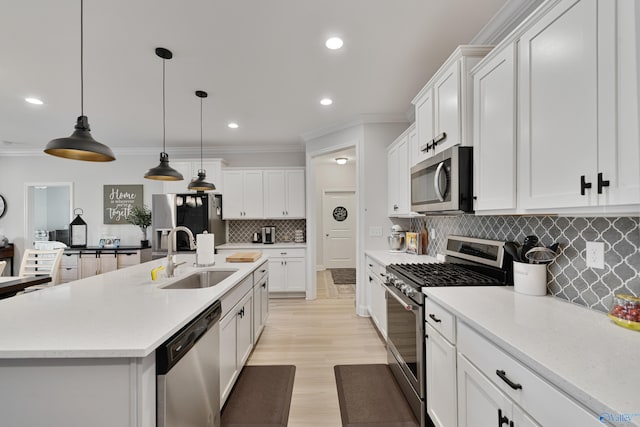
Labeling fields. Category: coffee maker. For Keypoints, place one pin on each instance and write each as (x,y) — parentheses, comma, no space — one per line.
(269,234)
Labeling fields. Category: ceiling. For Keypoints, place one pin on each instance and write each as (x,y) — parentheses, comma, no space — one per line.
(263,63)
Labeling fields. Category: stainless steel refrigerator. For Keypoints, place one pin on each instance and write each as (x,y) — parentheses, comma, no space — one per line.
(196,211)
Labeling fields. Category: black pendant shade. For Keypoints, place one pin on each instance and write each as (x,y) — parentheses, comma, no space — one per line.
(199,183)
(163,172)
(80,145)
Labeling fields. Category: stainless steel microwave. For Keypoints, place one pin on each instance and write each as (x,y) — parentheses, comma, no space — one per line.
(444,182)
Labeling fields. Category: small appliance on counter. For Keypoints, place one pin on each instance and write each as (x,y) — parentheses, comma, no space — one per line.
(256,238)
(396,239)
(269,235)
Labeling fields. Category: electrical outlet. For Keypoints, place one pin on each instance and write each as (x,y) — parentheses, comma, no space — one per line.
(595,254)
(433,233)
(375,231)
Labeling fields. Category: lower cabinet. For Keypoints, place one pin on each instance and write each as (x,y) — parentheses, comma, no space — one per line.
(377,295)
(94,263)
(441,379)
(236,342)
(287,270)
(260,301)
(87,263)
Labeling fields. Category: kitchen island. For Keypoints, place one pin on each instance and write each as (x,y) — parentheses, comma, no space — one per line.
(83,353)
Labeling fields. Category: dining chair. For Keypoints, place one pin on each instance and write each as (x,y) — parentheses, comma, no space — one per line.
(38,262)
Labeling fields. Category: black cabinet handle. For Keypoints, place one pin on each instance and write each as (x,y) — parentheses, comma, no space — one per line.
(438,139)
(503,377)
(264,286)
(434,318)
(602,183)
(370,279)
(502,419)
(583,185)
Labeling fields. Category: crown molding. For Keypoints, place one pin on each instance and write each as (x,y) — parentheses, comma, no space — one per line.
(362,119)
(504,21)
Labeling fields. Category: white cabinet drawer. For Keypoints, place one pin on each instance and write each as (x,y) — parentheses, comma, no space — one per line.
(376,268)
(259,273)
(545,403)
(69,260)
(441,320)
(284,252)
(236,294)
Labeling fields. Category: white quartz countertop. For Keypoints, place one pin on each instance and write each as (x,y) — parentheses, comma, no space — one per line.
(389,257)
(579,350)
(118,314)
(261,246)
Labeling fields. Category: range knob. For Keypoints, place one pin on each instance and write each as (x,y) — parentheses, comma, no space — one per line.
(409,291)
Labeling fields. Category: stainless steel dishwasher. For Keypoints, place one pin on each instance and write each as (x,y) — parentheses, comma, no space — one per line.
(188,374)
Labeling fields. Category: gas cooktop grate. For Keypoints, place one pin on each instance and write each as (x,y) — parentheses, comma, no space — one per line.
(428,275)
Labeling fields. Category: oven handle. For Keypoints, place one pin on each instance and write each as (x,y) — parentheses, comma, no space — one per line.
(406,306)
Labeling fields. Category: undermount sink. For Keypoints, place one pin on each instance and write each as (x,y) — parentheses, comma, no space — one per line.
(201,279)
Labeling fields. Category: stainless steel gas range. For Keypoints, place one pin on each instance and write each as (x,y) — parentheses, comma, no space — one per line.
(468,262)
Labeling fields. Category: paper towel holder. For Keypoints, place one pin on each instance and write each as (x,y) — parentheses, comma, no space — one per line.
(198,263)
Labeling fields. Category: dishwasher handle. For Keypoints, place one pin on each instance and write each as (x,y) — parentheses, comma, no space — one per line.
(173,349)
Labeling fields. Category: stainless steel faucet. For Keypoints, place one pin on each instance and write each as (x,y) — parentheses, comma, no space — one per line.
(171,265)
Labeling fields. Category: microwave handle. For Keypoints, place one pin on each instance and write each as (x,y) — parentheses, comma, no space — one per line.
(436,182)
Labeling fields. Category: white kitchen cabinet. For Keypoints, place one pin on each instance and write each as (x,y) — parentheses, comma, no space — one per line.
(69,268)
(87,263)
(260,300)
(286,270)
(284,194)
(578,103)
(236,342)
(398,176)
(244,193)
(189,170)
(424,128)
(449,94)
(93,263)
(494,132)
(377,296)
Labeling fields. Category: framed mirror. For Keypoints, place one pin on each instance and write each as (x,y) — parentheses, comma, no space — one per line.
(48,212)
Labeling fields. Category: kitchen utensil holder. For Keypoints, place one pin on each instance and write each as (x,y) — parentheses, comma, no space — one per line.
(530,279)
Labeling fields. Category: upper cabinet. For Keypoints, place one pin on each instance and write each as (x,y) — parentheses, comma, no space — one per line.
(399,175)
(494,132)
(244,196)
(284,194)
(444,105)
(578,101)
(189,169)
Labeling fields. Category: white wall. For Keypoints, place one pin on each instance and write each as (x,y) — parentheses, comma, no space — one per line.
(330,177)
(255,158)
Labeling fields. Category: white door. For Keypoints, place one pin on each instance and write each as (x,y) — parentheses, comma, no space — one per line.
(339,225)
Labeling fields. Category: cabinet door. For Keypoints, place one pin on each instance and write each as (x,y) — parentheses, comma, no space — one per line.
(404,177)
(108,262)
(245,329)
(393,207)
(264,305)
(558,107)
(441,379)
(618,148)
(414,151)
(276,274)
(379,306)
(447,107)
(253,195)
(228,354)
(179,186)
(127,259)
(257,315)
(480,403)
(295,274)
(275,194)
(424,128)
(89,265)
(296,199)
(522,419)
(494,142)
(233,203)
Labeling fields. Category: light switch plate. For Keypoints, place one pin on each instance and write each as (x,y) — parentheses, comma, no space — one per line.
(375,231)
(595,254)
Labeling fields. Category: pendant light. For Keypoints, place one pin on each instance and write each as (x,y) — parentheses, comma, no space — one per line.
(163,172)
(80,145)
(199,183)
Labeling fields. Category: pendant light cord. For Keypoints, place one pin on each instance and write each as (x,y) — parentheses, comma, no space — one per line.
(163,109)
(201,168)
(81,58)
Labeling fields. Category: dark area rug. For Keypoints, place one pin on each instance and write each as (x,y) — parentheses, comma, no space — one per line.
(369,396)
(260,397)
(343,276)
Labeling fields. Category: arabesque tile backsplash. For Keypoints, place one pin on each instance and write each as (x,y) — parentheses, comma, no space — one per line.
(241,231)
(569,278)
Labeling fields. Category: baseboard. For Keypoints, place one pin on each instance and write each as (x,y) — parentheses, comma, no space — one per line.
(320,268)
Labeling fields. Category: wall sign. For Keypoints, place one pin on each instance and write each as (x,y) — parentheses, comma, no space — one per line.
(340,213)
(119,200)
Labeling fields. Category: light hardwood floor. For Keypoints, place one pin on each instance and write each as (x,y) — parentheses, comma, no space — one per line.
(314,336)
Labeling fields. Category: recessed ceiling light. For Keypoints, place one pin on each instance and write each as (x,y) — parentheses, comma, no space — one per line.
(326,101)
(334,43)
(34,101)
(233,125)
(341,160)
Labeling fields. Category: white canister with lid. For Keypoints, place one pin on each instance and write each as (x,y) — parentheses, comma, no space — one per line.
(530,279)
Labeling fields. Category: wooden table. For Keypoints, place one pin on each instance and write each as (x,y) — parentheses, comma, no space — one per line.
(9,286)
(6,252)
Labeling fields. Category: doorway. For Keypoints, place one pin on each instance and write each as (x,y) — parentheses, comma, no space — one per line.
(48,212)
(339,229)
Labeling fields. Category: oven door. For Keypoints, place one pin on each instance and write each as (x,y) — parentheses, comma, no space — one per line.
(405,338)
